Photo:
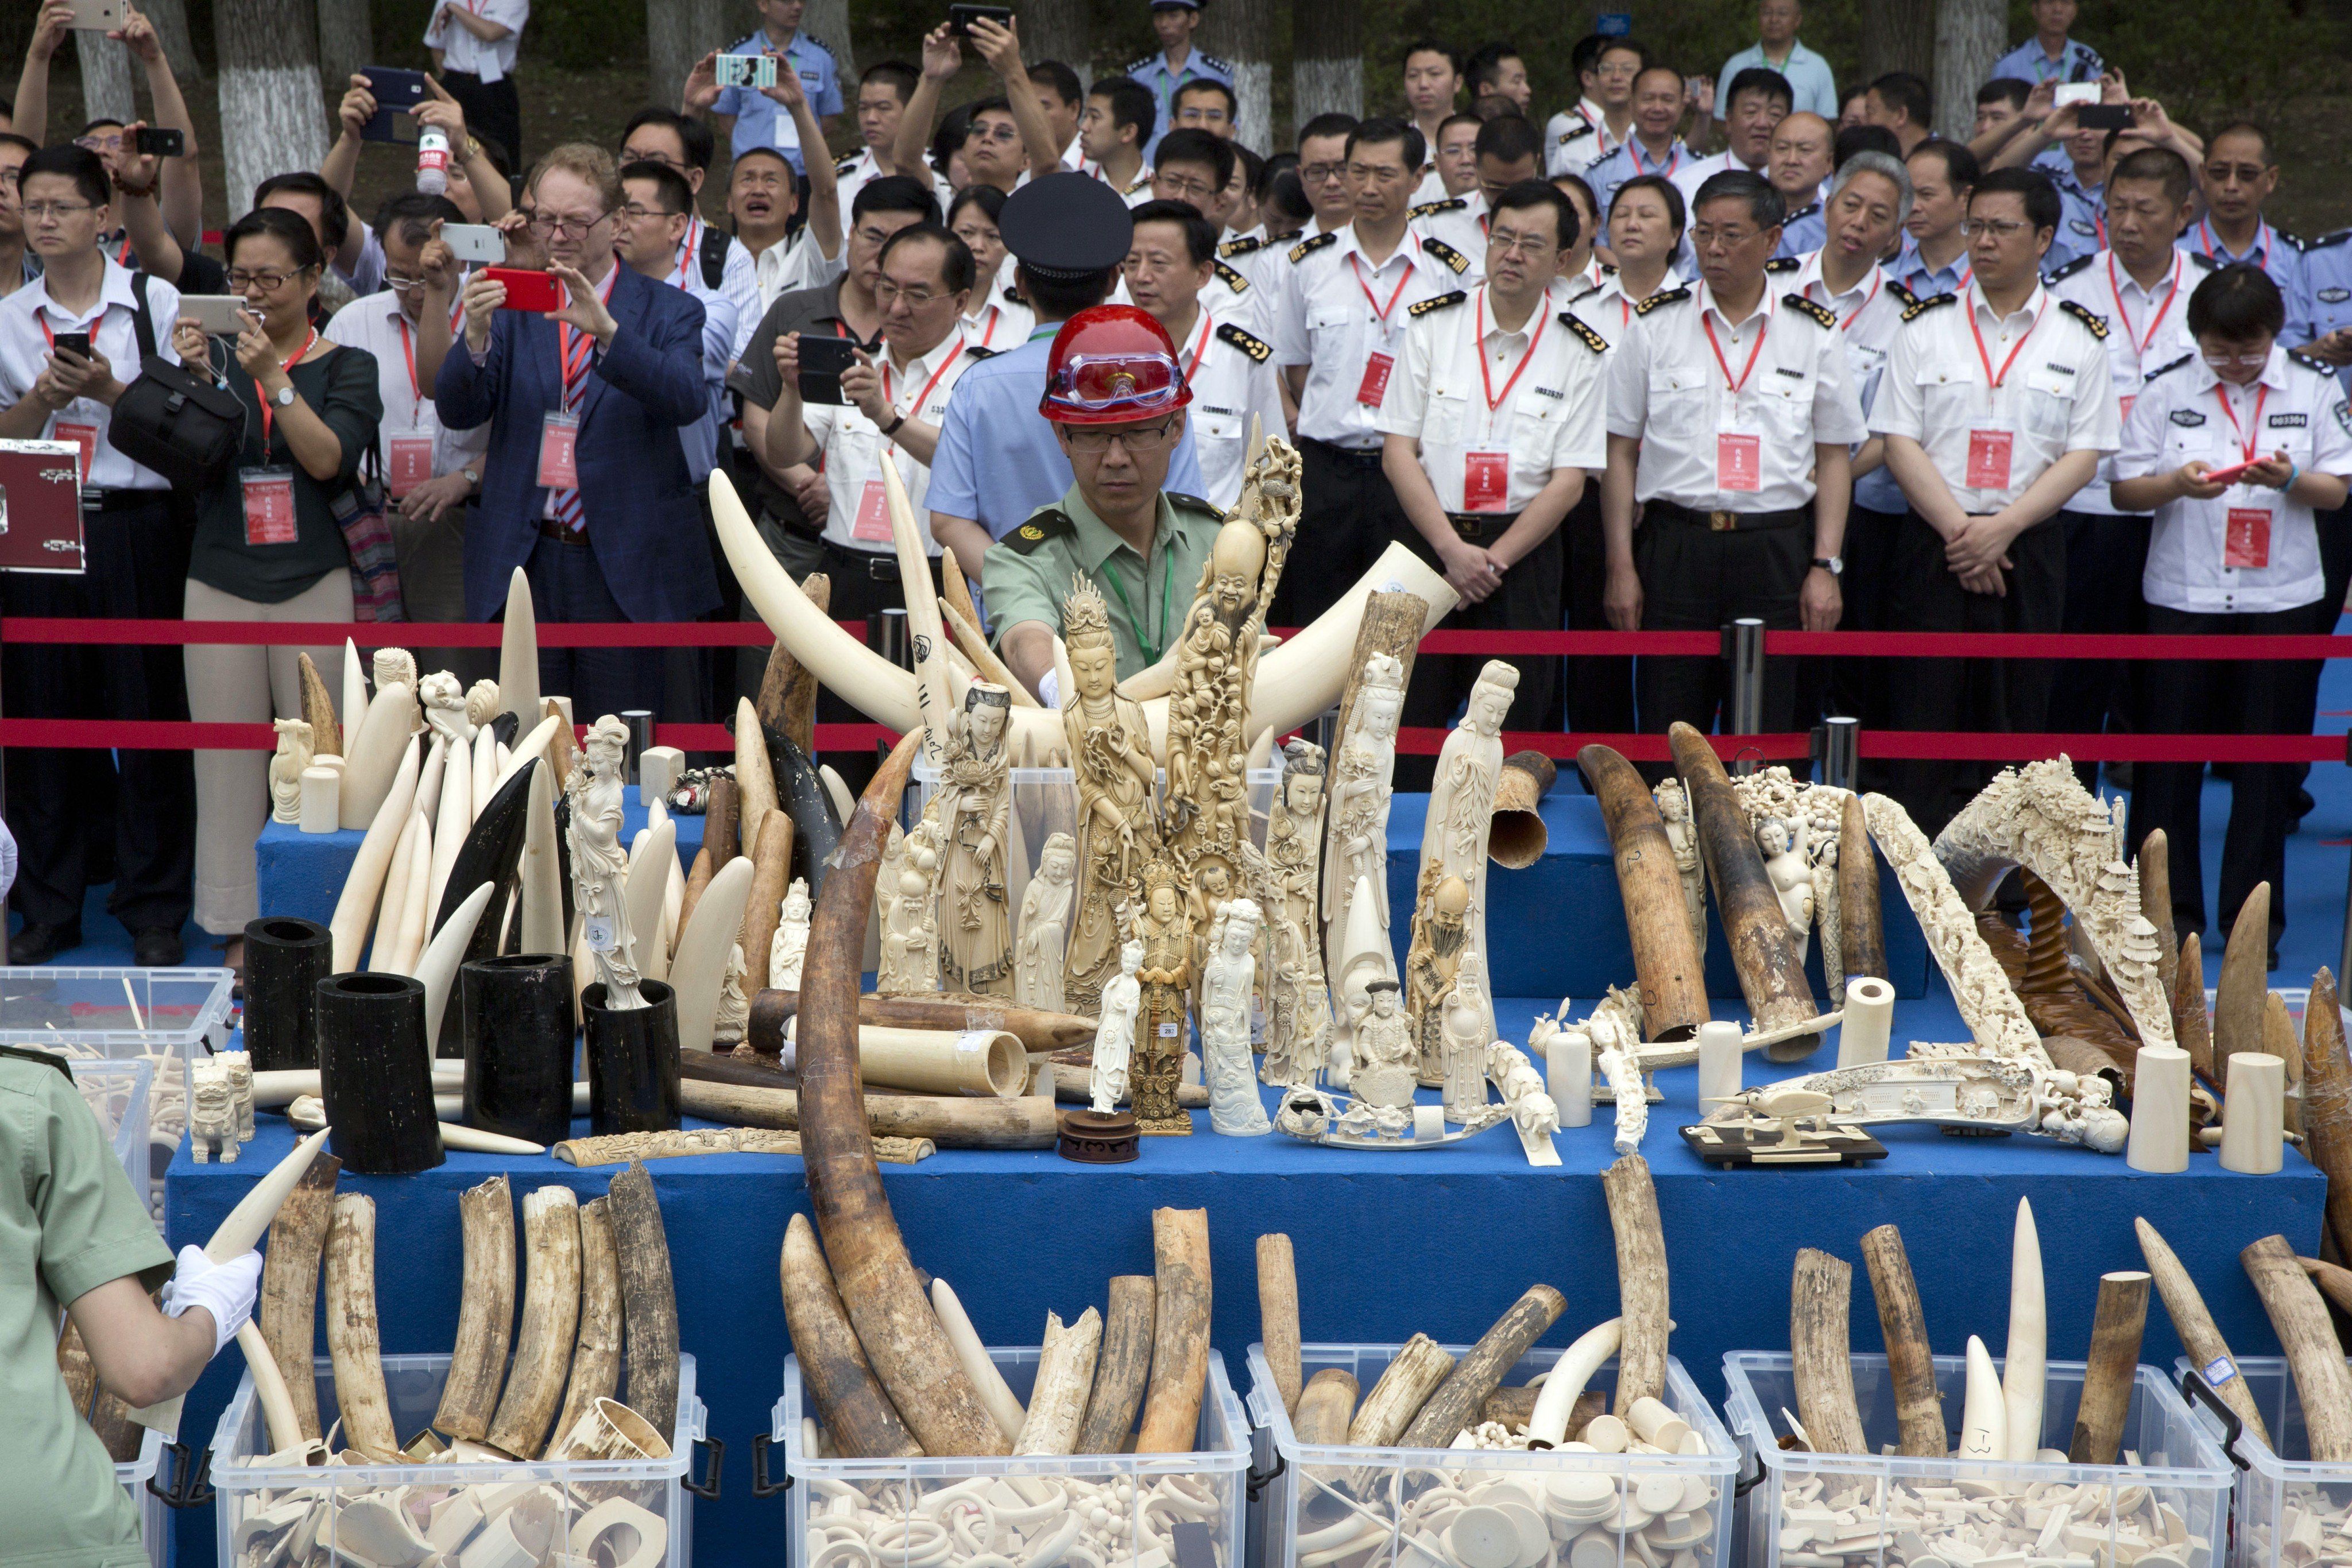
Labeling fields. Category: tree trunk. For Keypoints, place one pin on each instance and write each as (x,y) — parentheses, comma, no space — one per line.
(1898,36)
(827,21)
(273,117)
(346,42)
(1242,36)
(105,78)
(1970,35)
(1060,30)
(678,34)
(1326,59)
(171,22)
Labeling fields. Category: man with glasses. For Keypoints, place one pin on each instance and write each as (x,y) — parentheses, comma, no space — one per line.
(1228,367)
(1997,405)
(1115,396)
(135,545)
(1507,153)
(1207,105)
(1323,171)
(587,490)
(1195,170)
(704,253)
(656,207)
(1603,118)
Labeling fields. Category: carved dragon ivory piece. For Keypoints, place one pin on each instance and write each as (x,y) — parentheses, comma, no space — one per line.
(1980,987)
(1951,1086)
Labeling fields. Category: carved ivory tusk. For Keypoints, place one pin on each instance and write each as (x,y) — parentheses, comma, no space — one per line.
(596,1355)
(972,1356)
(361,888)
(700,970)
(2029,1342)
(978,1062)
(519,654)
(437,969)
(856,1414)
(1277,1314)
(374,754)
(550,1312)
(478,1360)
(1568,1377)
(1065,1373)
(1984,1421)
(351,1337)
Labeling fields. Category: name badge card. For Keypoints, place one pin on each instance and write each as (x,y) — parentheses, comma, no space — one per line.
(1375,384)
(1485,481)
(558,467)
(1738,460)
(85,438)
(873,524)
(2246,544)
(268,506)
(1989,454)
(409,454)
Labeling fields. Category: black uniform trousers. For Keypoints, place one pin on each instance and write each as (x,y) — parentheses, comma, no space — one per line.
(1600,687)
(492,109)
(1856,688)
(1347,515)
(73,810)
(2222,696)
(1529,601)
(2104,557)
(1699,577)
(1975,694)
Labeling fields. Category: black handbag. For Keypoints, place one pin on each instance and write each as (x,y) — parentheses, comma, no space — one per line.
(182,426)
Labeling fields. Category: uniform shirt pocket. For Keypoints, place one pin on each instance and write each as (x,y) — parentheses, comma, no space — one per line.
(2047,406)
(1534,432)
(1677,405)
(1947,402)
(1446,422)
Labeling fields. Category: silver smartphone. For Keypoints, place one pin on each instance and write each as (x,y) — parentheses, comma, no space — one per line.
(217,314)
(101,15)
(475,242)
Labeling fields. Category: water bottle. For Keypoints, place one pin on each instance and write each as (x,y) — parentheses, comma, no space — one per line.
(433,160)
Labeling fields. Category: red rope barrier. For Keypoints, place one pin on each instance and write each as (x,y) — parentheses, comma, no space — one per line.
(50,630)
(106,734)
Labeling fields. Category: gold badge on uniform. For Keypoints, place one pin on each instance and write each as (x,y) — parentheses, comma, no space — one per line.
(1032,531)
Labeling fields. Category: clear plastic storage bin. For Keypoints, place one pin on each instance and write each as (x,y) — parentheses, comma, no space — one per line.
(155,1521)
(1084,1511)
(2165,1506)
(117,1093)
(2288,1510)
(1375,1507)
(612,1513)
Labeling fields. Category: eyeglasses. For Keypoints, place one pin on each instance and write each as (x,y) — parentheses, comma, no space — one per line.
(1997,228)
(399,285)
(1092,438)
(1706,237)
(268,279)
(885,292)
(1510,244)
(1184,190)
(1322,174)
(633,155)
(543,227)
(1001,134)
(60,211)
(100,143)
(637,214)
(2237,362)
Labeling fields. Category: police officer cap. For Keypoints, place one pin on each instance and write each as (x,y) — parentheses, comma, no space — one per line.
(1175,4)
(1066,227)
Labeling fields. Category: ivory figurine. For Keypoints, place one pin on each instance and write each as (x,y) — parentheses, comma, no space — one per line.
(445,706)
(239,1066)
(1112,768)
(1045,921)
(1166,975)
(1206,806)
(599,866)
(972,809)
(1386,1061)
(1673,806)
(791,943)
(1783,846)
(394,666)
(1614,1047)
(1356,846)
(1234,1109)
(1979,987)
(1461,804)
(211,1115)
(1121,997)
(1953,1085)
(910,931)
(285,768)
(732,1018)
(481,703)
(1299,1014)
(1462,1039)
(1435,959)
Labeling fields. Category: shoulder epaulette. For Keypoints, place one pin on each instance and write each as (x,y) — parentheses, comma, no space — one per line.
(1182,502)
(844,166)
(1233,281)
(1584,334)
(2325,242)
(1783,264)
(1921,306)
(1257,348)
(1805,307)
(1447,253)
(1441,302)
(2148,376)
(813,39)
(1142,183)
(1307,248)
(1050,523)
(47,1058)
(1242,247)
(2203,262)
(2087,316)
(2071,269)
(1663,297)
(2322,366)
(1214,64)
(1608,269)
(1142,65)
(974,351)
(1895,286)
(1582,129)
(1442,205)
(1807,211)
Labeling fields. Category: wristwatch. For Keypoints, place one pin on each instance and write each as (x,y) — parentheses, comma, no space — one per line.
(284,396)
(471,478)
(1832,564)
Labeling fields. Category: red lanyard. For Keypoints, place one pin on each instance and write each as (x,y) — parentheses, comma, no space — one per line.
(1744,370)
(574,366)
(916,407)
(685,253)
(995,313)
(408,352)
(1381,312)
(268,418)
(1486,384)
(2246,447)
(2155,323)
(1199,344)
(1986,360)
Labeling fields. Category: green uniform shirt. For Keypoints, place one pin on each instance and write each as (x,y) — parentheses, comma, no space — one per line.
(1026,574)
(68,1223)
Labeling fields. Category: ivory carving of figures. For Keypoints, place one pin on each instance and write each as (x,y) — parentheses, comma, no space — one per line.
(973,807)
(1614,1047)
(1298,1010)
(1461,1019)
(732,1021)
(1358,842)
(1535,1116)
(394,666)
(1783,850)
(1461,804)
(1234,1109)
(1166,976)
(1979,987)
(294,753)
(600,866)
(1113,773)
(1044,918)
(444,702)
(1122,999)
(791,944)
(1386,1059)
(482,701)
(1439,941)
(910,931)
(1826,847)
(1673,806)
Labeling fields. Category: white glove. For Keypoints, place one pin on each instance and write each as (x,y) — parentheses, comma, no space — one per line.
(224,1290)
(1049,688)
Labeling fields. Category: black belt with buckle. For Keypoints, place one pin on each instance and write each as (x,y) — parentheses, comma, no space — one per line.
(1725,522)
(879,566)
(1474,526)
(1355,456)
(120,499)
(549,529)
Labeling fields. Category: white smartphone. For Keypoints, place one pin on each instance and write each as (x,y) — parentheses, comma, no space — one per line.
(2076,93)
(101,15)
(747,71)
(217,314)
(475,242)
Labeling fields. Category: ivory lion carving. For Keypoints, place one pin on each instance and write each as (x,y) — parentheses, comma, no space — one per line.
(1980,987)
(294,753)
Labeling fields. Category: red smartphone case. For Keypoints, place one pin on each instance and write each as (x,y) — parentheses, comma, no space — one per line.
(528,290)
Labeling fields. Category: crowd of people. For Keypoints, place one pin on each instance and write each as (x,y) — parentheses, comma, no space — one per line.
(1691,349)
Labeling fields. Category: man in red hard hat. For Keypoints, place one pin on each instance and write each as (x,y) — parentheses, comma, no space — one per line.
(1115,393)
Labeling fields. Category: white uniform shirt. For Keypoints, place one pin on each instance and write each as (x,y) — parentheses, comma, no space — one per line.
(851,174)
(1669,387)
(2057,396)
(1869,314)
(1461,222)
(461,51)
(2146,327)
(376,324)
(1231,371)
(1597,295)
(2249,548)
(997,323)
(1338,311)
(853,447)
(1229,295)
(25,353)
(1466,388)
(739,279)
(1576,141)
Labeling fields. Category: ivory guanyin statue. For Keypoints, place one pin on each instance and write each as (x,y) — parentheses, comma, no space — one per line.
(1298,1001)
(1462,807)
(1113,772)
(600,866)
(1044,920)
(973,809)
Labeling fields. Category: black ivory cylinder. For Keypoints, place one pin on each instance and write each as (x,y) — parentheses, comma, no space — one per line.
(285,959)
(375,1076)
(518,1013)
(632,1060)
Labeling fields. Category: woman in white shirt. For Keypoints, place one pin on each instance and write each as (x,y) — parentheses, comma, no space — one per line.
(997,322)
(2232,448)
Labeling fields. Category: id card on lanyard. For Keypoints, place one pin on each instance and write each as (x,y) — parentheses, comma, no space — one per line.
(2246,536)
(1486,473)
(1992,444)
(267,490)
(408,453)
(1381,362)
(1738,445)
(559,437)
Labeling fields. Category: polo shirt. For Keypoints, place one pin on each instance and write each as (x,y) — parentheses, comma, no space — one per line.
(1027,576)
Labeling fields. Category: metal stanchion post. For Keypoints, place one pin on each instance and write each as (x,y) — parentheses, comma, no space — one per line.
(1841,751)
(1746,652)
(885,634)
(640,721)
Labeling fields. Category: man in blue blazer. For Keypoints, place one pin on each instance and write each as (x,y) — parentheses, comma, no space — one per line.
(586,486)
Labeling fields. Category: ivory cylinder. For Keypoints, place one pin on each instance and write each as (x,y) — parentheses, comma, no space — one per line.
(1718,1066)
(2159,1116)
(322,799)
(657,771)
(2252,1112)
(1568,1076)
(983,1061)
(1869,1020)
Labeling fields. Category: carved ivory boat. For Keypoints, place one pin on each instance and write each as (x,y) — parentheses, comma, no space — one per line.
(1973,1093)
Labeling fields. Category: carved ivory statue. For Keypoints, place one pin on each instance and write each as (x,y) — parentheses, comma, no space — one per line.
(1387,1060)
(1439,942)
(394,666)
(238,1065)
(294,753)
(445,708)
(1783,849)
(732,1020)
(1166,975)
(1299,1014)
(910,931)
(211,1115)
(1233,1106)
(600,866)
(1206,807)
(1358,842)
(973,807)
(1044,918)
(1823,855)
(1674,805)
(1613,1047)
(1462,1039)
(791,944)
(1535,1116)
(1461,803)
(1113,771)
(482,701)
(1122,997)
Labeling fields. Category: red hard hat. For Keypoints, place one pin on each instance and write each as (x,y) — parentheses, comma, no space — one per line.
(1112,364)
